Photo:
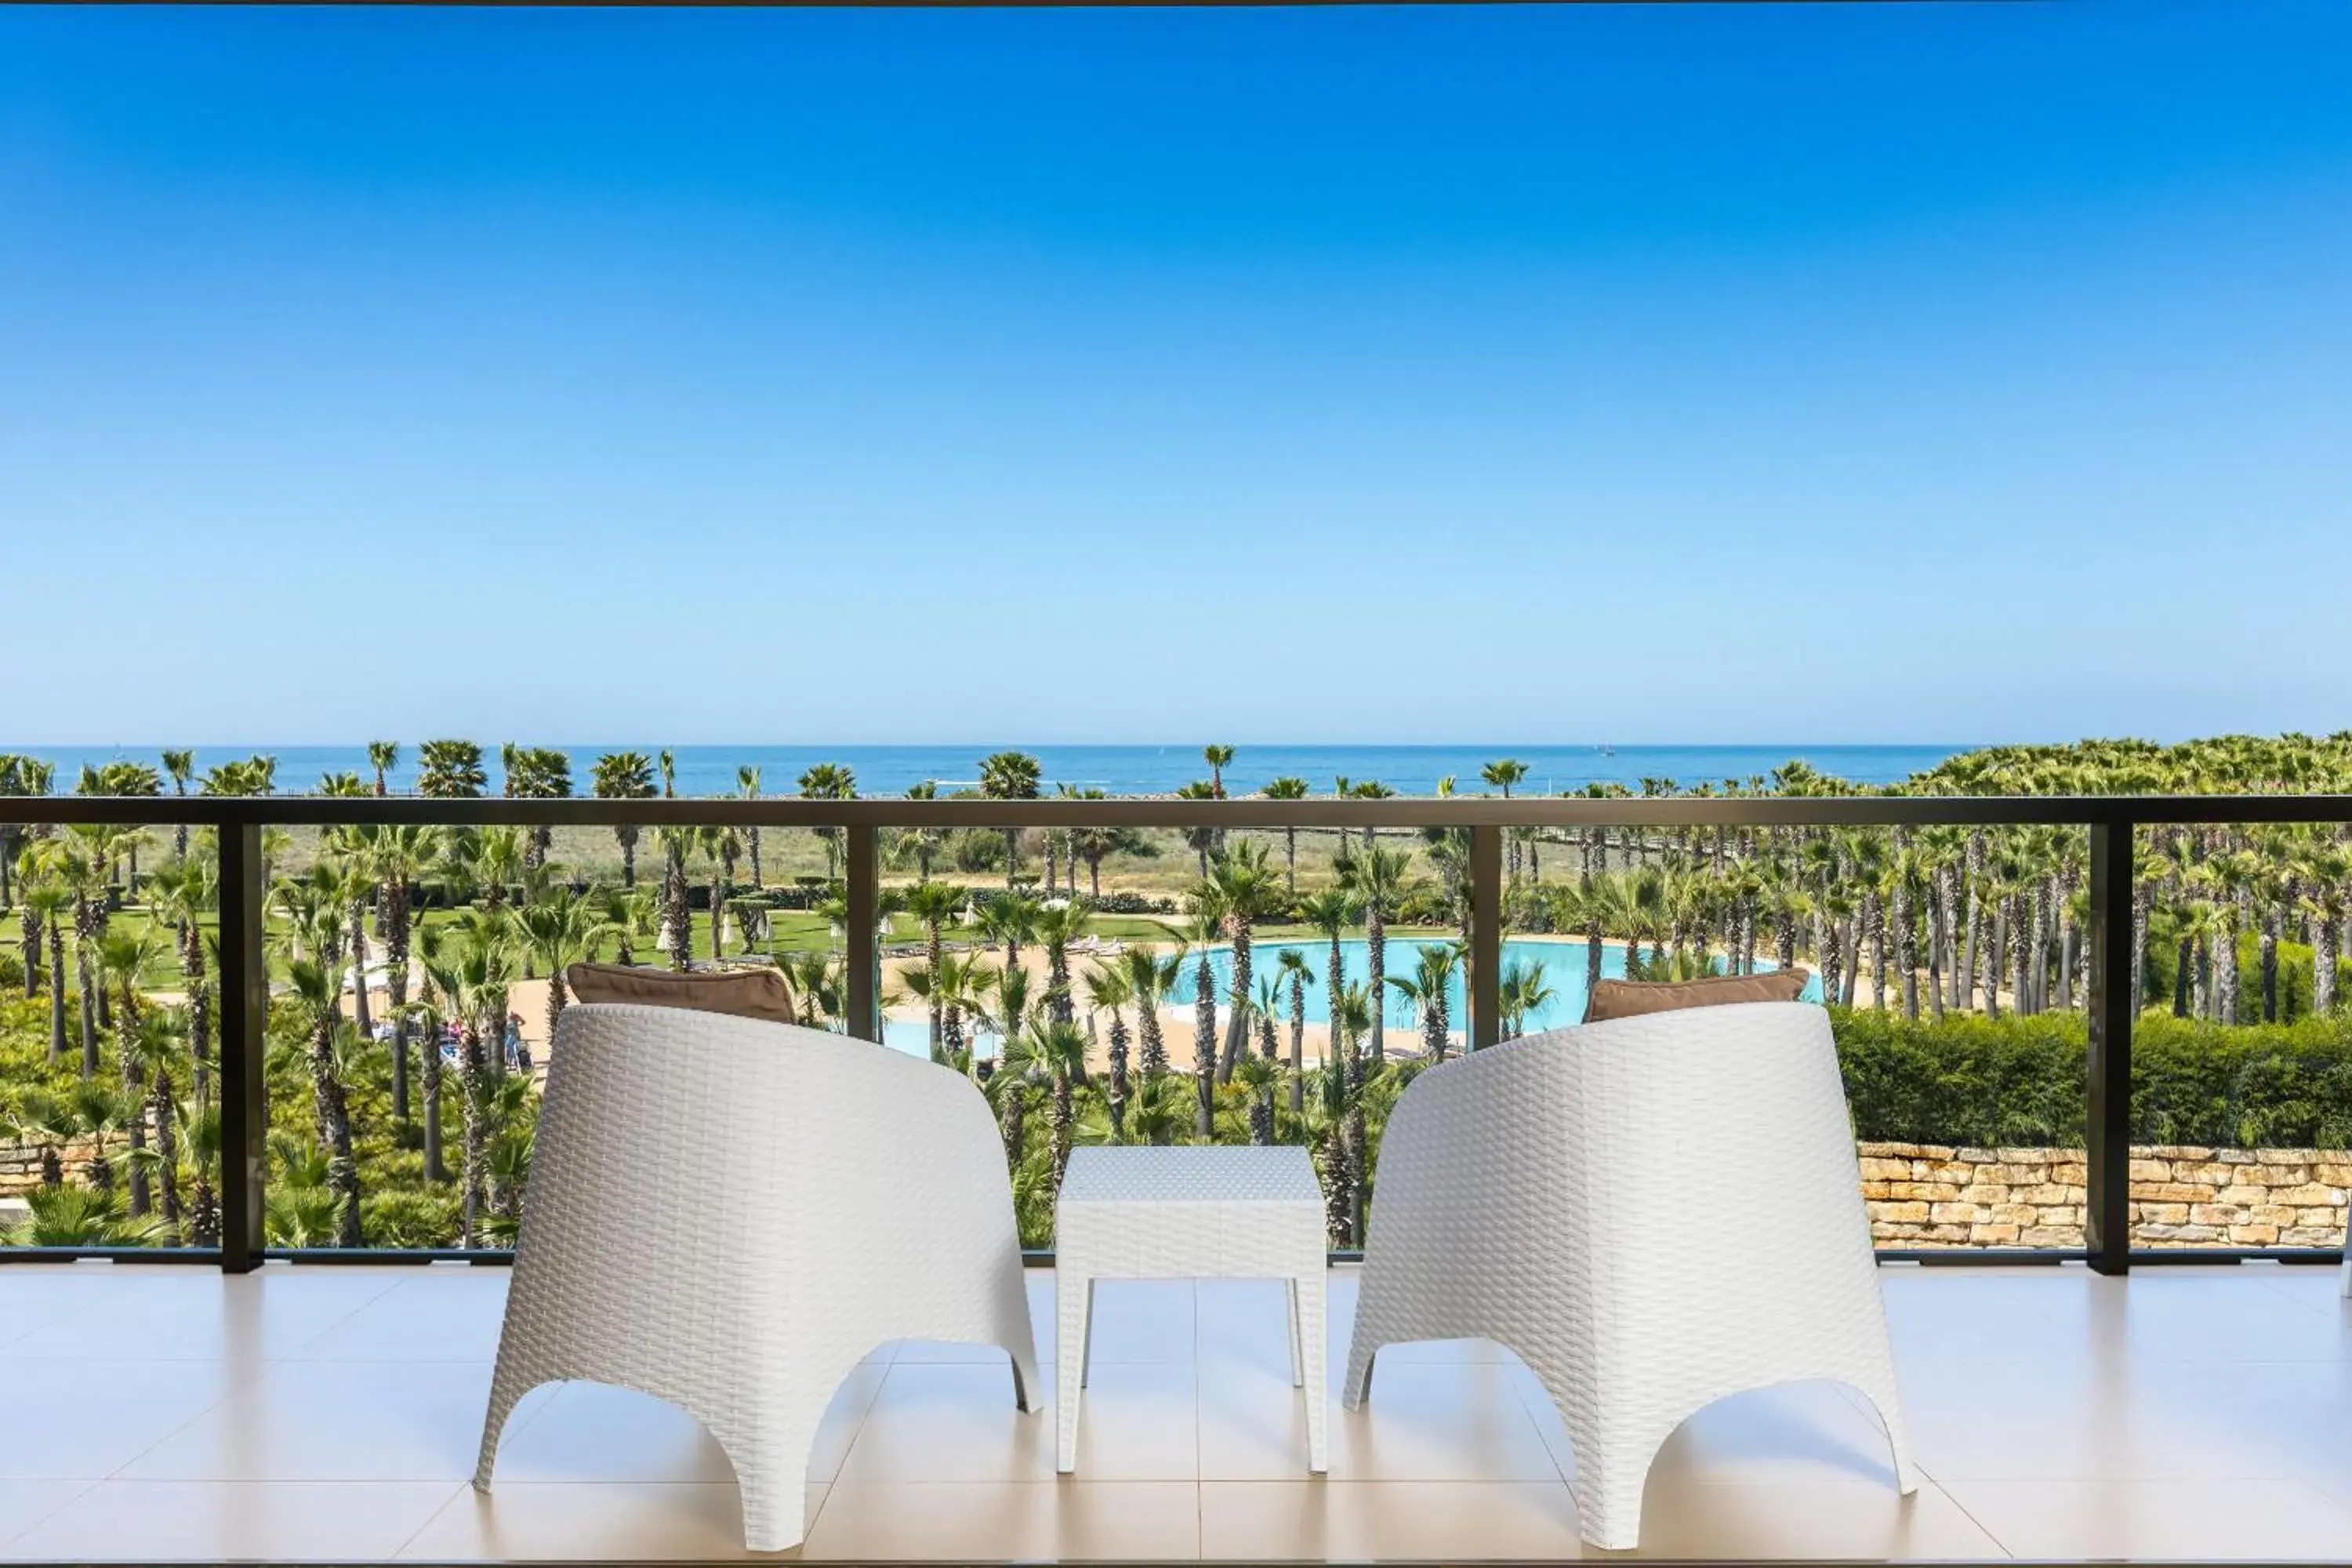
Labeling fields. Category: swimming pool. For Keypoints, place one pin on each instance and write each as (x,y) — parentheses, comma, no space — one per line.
(1563,971)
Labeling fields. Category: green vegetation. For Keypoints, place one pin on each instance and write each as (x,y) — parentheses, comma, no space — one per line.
(1955,961)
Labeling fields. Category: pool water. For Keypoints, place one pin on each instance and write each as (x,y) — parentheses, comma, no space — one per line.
(1563,971)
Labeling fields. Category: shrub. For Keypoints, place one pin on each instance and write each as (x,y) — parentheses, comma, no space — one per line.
(2020,1080)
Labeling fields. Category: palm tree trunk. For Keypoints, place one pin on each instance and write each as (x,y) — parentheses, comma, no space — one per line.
(333,1110)
(58,1003)
(1297,1042)
(88,985)
(1237,1026)
(1204,1044)
(470,1075)
(1116,1099)
(1376,953)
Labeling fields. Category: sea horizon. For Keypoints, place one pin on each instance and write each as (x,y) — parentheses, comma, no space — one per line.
(1119,769)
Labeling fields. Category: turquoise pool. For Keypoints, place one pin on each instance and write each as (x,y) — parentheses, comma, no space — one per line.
(1563,971)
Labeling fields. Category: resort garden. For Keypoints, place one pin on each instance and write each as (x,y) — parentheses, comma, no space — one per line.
(1122,984)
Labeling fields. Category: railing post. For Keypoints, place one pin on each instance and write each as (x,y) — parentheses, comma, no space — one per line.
(1485,936)
(245,1002)
(862,957)
(2106,1213)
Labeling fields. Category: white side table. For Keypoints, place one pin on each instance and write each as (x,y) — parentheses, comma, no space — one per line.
(1188,1214)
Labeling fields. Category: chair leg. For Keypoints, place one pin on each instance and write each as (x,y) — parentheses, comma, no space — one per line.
(1881,1395)
(508,1383)
(1306,1332)
(1072,1323)
(771,1470)
(1357,1386)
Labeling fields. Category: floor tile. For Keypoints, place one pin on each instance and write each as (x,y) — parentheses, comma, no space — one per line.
(90,1417)
(437,1314)
(635,1521)
(1252,1423)
(174,1521)
(1091,1520)
(1806,1521)
(951,1422)
(327,1421)
(1440,1421)
(2243,1521)
(1452,1521)
(196,1313)
(23,1504)
(34,1296)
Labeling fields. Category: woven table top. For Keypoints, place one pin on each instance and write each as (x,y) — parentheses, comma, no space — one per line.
(1182,1175)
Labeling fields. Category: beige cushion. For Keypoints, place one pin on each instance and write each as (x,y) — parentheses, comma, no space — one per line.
(1632,998)
(742,993)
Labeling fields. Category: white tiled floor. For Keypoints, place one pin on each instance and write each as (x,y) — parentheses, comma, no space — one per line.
(332,1414)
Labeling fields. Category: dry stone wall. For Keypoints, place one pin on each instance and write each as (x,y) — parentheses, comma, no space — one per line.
(1933,1195)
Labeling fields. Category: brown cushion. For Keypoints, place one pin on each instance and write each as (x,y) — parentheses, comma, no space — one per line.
(1632,998)
(741,992)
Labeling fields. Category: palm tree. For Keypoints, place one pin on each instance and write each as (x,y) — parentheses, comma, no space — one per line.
(382,757)
(1287,788)
(1425,990)
(45,902)
(1241,886)
(1523,990)
(558,929)
(181,768)
(1298,975)
(934,904)
(1352,1012)
(1380,881)
(720,844)
(1502,774)
(1058,1047)
(1331,913)
(829,781)
(747,787)
(623,775)
(1010,918)
(1218,758)
(1109,988)
(317,990)
(450,770)
(469,965)
(1151,976)
(1201,931)
(1057,926)
(1010,775)
(395,857)
(179,896)
(1204,841)
(538,773)
(1259,1076)
(150,1047)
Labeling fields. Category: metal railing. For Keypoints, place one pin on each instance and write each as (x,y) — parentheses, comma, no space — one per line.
(238,822)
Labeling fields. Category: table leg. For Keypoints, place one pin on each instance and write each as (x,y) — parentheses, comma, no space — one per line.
(1309,1292)
(1086,1344)
(1073,1327)
(1291,1309)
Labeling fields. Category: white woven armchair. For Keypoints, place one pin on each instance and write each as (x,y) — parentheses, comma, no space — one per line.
(1556,1195)
(729,1214)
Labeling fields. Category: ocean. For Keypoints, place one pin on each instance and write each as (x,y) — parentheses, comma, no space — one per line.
(1116,770)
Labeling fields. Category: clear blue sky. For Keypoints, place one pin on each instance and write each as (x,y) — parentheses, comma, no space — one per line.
(1644,373)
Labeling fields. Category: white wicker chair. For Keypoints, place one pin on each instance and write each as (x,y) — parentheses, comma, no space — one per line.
(729,1214)
(1562,1195)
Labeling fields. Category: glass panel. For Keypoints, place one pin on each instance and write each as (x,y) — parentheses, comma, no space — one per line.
(2242,1091)
(108,1123)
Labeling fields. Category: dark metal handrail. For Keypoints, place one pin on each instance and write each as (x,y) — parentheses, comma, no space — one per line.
(2109,819)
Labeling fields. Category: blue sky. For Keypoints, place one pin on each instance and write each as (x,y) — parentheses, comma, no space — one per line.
(1648,373)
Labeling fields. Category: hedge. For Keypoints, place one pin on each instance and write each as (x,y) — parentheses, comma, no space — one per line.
(2019,1080)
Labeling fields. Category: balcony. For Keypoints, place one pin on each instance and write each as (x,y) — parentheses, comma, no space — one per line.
(2090,1404)
(306,1413)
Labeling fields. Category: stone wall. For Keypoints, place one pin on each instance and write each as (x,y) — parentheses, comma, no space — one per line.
(1933,1195)
(20,1165)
